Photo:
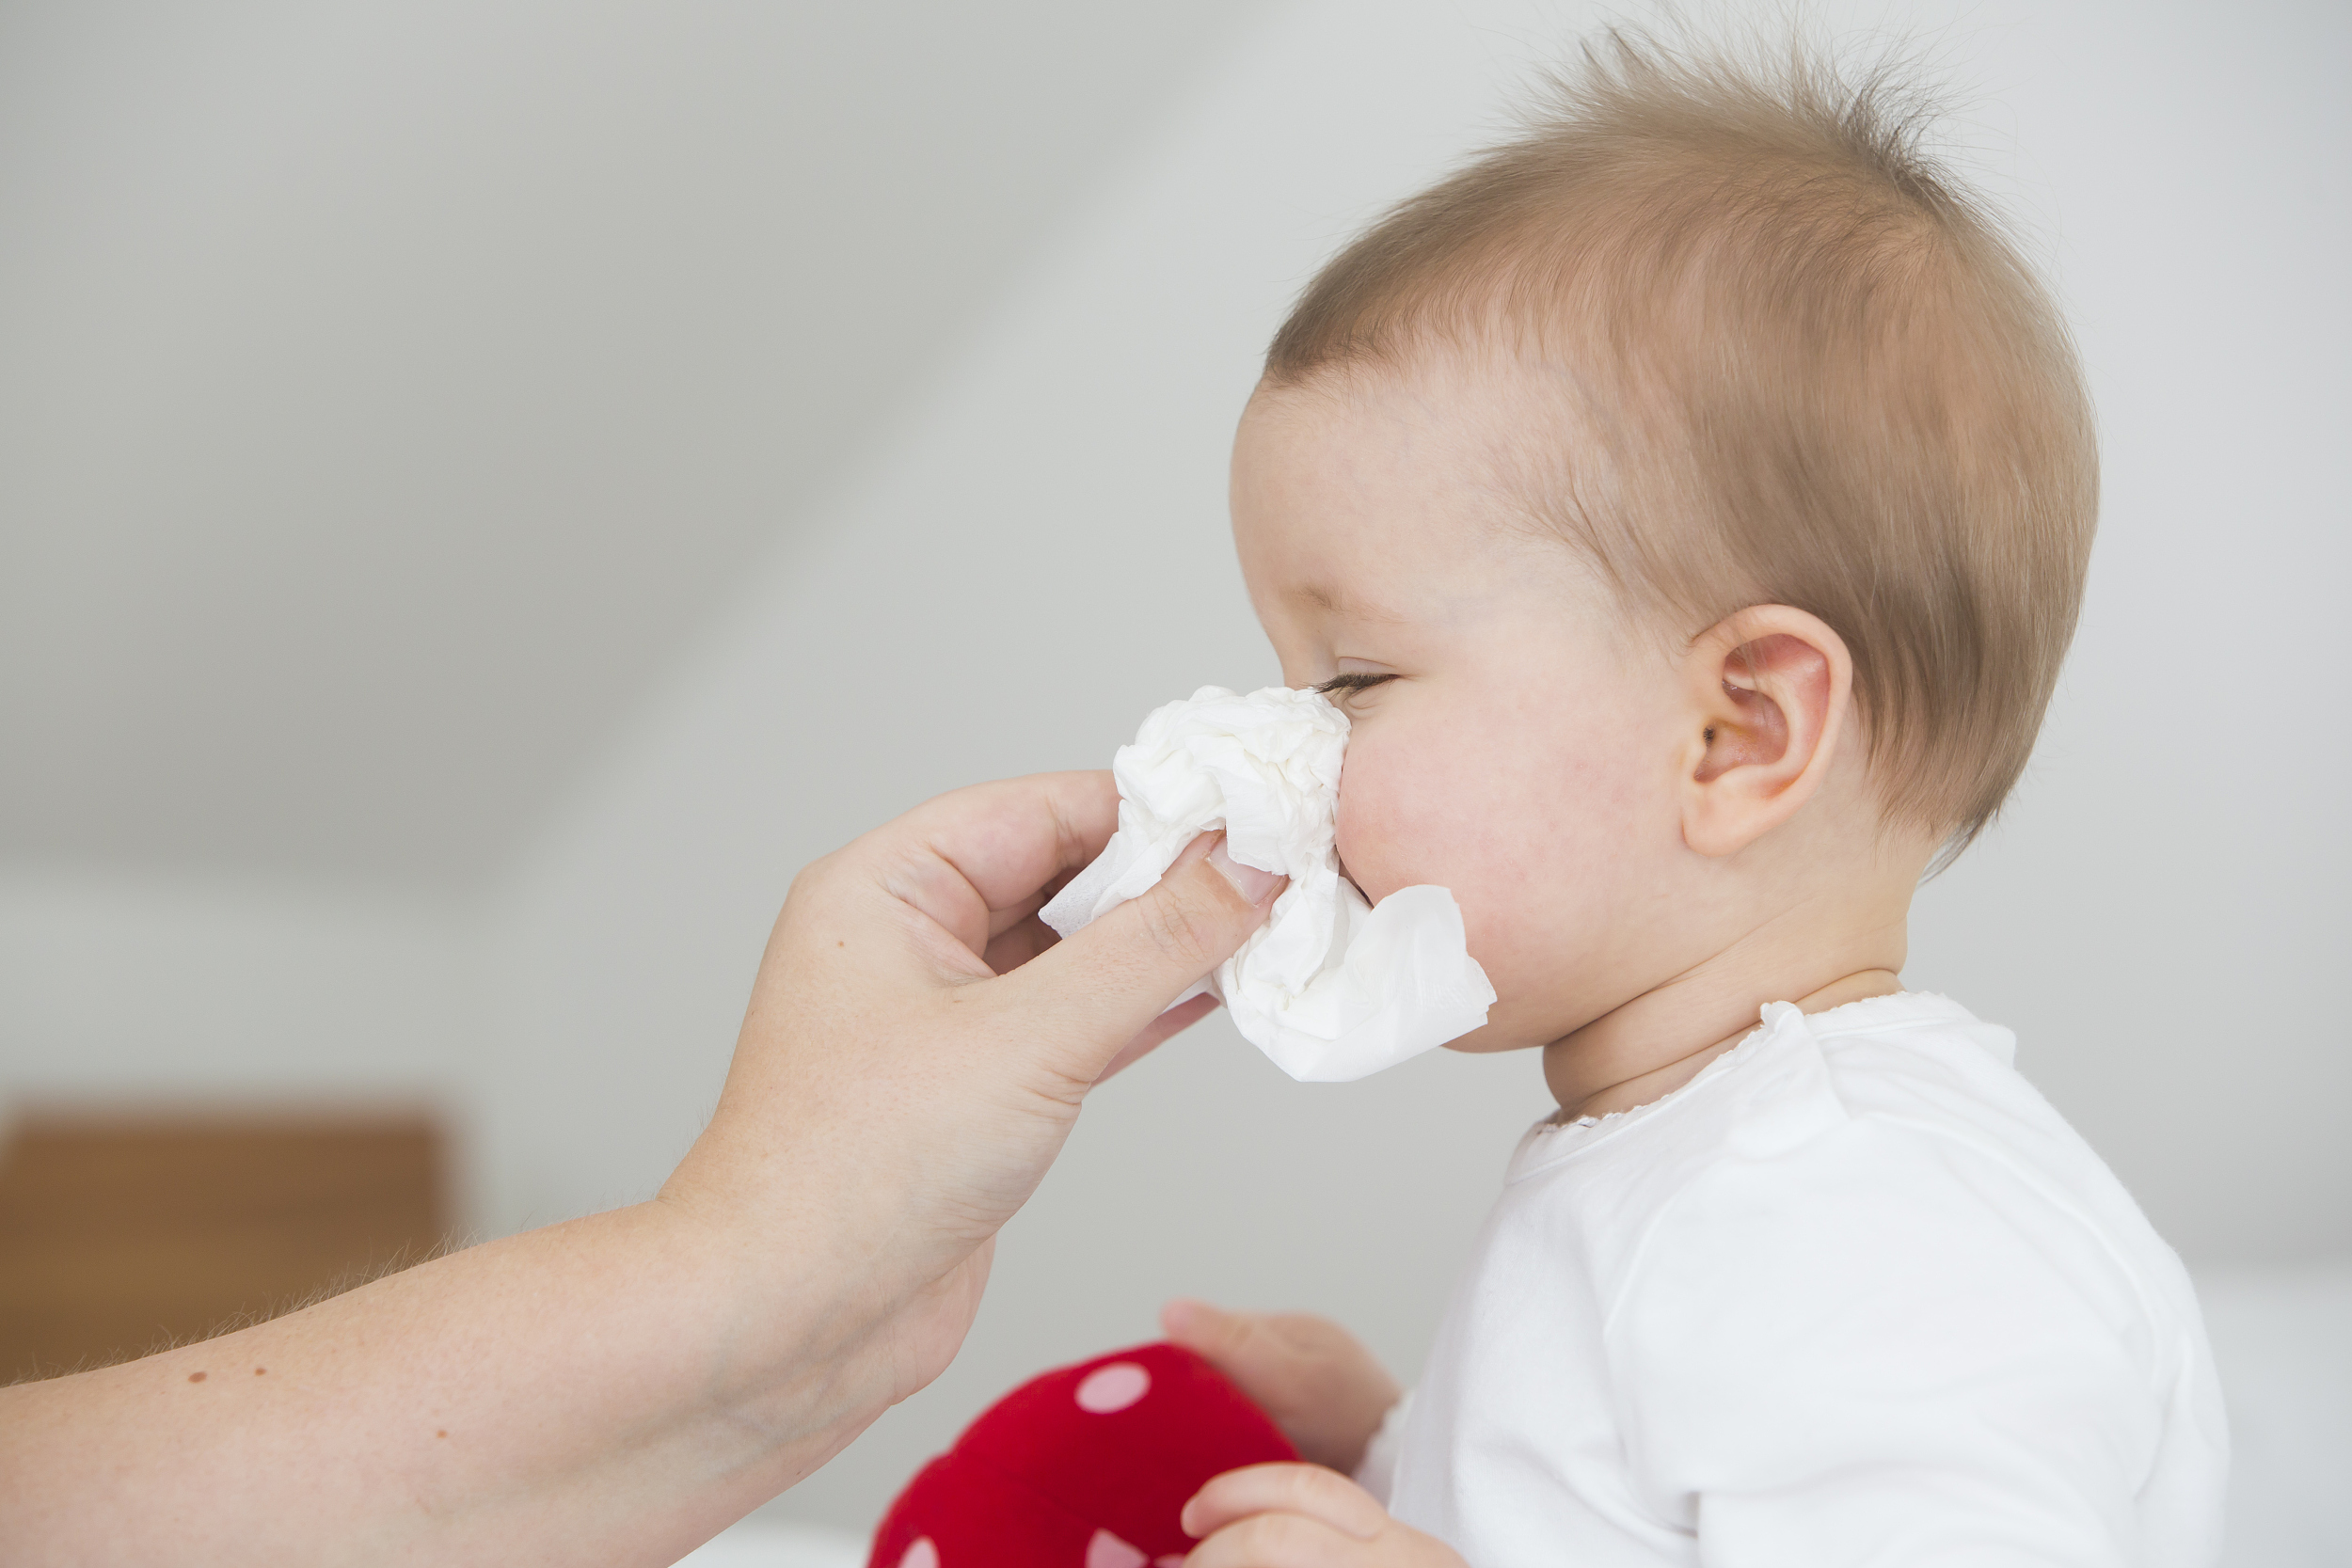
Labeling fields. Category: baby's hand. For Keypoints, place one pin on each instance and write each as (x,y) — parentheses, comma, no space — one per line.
(1302,1516)
(1317,1382)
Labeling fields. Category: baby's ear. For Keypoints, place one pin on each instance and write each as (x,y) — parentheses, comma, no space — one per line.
(1767,692)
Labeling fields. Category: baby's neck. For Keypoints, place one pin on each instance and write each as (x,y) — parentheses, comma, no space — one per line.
(1602,1068)
(1817,921)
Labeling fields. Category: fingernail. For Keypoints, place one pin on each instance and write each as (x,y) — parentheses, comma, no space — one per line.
(1250,882)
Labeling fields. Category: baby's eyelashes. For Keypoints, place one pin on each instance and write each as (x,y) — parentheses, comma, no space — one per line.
(1355,680)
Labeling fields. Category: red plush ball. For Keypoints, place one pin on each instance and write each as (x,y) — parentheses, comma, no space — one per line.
(1084,1467)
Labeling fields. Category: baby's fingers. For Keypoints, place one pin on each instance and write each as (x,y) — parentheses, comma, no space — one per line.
(1323,1497)
(1279,1540)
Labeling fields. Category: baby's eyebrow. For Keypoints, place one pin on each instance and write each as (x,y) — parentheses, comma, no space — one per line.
(1332,602)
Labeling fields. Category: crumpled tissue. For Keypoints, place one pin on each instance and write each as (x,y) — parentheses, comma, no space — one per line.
(1332,988)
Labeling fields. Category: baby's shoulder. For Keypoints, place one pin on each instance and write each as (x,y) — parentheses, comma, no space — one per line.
(1889,1164)
(1858,1245)
(1888,1151)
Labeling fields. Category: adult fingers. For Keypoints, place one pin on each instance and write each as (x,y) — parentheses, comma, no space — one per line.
(1001,921)
(1159,1032)
(1099,989)
(1011,837)
(964,859)
(1324,1495)
(1017,945)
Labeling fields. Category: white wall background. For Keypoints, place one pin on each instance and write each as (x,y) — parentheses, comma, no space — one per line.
(167,990)
(1025,549)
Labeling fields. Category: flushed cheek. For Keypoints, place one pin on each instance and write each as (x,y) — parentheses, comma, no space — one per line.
(1524,839)
(1371,847)
(1419,815)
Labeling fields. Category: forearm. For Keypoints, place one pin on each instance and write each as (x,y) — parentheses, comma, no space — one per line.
(606,1391)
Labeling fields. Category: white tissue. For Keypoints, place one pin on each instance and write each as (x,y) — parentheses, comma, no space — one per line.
(1330,987)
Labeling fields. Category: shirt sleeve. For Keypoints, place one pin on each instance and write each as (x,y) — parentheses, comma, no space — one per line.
(1885,1347)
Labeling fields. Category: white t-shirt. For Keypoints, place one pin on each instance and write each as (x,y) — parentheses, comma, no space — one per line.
(1854,1294)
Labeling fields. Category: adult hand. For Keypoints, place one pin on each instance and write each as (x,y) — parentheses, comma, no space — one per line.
(1302,1516)
(918,1043)
(616,1390)
(1316,1380)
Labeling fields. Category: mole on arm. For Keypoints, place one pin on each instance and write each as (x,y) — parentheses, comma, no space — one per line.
(196,1377)
(259,1372)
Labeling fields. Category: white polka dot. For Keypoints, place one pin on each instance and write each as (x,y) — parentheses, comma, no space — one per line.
(1113,1387)
(921,1555)
(1108,1551)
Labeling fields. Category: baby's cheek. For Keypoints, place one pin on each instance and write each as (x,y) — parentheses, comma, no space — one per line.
(1362,860)
(1440,811)
(1402,820)
(1372,838)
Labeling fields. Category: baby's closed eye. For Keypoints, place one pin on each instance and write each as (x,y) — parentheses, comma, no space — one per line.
(1355,680)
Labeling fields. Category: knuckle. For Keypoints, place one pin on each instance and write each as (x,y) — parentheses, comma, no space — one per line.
(1304,1485)
(818,880)
(1182,932)
(805,883)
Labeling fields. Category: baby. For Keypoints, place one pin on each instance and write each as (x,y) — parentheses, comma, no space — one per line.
(1688,502)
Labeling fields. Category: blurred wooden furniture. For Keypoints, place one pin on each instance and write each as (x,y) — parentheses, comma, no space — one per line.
(121,1234)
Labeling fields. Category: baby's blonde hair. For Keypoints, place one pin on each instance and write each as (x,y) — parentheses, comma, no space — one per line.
(1803,367)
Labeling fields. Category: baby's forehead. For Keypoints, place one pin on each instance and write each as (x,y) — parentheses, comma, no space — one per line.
(1457,390)
(1397,499)
(1449,425)
(1449,452)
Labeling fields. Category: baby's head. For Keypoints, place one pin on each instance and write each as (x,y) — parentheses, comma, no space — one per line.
(1694,495)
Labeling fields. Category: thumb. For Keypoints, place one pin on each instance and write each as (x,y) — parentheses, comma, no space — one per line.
(1095,990)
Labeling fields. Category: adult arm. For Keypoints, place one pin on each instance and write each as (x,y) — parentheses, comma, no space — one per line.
(616,1390)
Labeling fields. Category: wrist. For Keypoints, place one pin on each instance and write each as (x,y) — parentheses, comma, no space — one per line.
(790,1324)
